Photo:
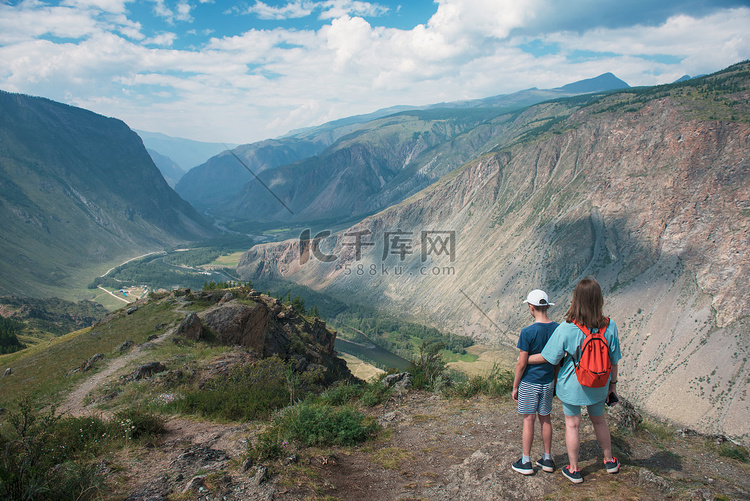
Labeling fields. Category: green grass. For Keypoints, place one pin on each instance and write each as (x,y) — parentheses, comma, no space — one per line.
(42,370)
(660,431)
(734,452)
(449,357)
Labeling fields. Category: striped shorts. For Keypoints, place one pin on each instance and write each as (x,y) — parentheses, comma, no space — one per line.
(535,398)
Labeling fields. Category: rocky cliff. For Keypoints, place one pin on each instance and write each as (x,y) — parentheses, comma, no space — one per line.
(647,190)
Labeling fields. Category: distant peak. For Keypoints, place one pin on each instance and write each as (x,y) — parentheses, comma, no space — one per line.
(604,82)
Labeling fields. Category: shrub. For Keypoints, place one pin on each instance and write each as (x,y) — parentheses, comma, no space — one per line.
(342,393)
(135,424)
(247,393)
(428,368)
(376,393)
(36,463)
(309,424)
(497,382)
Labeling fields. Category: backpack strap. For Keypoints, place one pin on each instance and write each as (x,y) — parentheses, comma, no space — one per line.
(587,332)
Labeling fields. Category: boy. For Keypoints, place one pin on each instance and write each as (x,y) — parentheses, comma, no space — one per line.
(534,384)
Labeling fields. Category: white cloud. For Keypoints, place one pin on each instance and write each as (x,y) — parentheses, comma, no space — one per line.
(291,10)
(329,9)
(183,12)
(338,8)
(115,6)
(263,83)
(29,21)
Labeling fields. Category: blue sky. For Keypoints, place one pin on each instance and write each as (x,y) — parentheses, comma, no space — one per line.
(239,72)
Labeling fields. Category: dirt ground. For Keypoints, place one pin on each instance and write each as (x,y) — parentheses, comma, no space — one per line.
(431,448)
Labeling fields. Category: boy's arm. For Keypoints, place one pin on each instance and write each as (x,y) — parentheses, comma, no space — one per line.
(520,367)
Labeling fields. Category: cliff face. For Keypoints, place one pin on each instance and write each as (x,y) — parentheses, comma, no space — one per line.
(650,197)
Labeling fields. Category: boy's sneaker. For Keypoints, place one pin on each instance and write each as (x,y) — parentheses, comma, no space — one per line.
(573,476)
(523,468)
(547,465)
(612,466)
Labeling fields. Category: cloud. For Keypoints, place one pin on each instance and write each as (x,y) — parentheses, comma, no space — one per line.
(260,83)
(115,6)
(332,9)
(329,9)
(291,10)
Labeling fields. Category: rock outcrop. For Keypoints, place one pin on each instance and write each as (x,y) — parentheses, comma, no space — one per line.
(266,326)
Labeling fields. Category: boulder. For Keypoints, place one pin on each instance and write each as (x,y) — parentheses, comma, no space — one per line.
(240,325)
(146,370)
(190,328)
(624,416)
(88,364)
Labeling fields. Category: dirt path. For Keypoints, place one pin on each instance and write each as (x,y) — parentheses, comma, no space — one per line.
(74,405)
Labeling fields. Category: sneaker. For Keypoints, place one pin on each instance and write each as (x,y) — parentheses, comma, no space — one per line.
(612,466)
(573,476)
(547,465)
(523,468)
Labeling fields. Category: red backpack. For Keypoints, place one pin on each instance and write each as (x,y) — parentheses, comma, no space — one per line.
(594,366)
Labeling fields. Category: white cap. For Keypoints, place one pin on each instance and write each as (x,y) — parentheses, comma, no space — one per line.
(538,298)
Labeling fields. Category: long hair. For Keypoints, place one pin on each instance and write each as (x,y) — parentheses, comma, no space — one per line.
(587,305)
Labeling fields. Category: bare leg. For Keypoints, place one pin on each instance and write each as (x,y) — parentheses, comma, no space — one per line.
(528,433)
(572,441)
(546,425)
(602,435)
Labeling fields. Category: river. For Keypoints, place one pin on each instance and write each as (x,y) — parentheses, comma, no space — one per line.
(372,353)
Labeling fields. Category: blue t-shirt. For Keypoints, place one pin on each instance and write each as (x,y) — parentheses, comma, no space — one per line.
(565,344)
(532,340)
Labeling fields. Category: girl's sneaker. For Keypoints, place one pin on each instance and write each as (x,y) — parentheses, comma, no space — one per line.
(612,466)
(573,476)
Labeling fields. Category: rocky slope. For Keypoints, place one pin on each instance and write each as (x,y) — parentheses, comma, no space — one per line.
(647,190)
(78,189)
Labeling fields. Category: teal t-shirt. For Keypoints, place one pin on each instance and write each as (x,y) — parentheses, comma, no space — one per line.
(565,344)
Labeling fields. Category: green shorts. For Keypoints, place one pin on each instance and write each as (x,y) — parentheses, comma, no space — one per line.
(575,410)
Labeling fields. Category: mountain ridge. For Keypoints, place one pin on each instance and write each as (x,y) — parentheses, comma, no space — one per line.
(641,188)
(222,186)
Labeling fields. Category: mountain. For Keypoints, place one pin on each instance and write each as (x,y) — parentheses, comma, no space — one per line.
(394,152)
(186,153)
(168,167)
(646,189)
(602,83)
(216,181)
(78,190)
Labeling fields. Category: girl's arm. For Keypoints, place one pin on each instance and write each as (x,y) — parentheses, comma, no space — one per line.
(613,380)
(537,358)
